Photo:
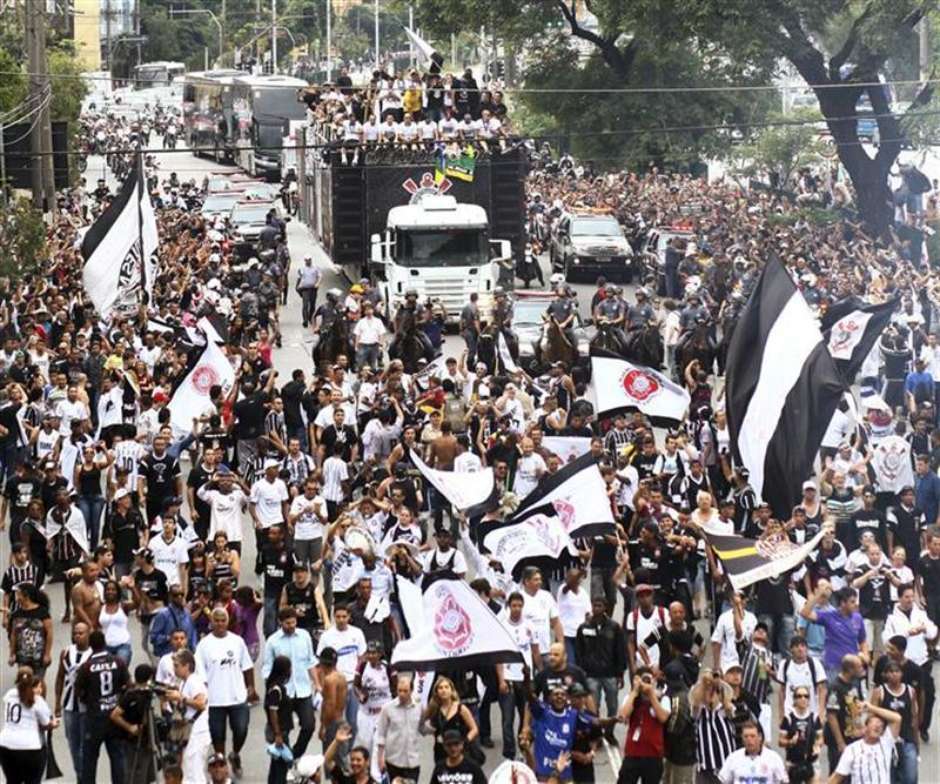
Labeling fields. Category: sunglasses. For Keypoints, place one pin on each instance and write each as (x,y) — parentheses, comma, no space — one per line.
(801,696)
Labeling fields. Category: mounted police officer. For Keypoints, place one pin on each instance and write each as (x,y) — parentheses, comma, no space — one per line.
(642,313)
(328,313)
(563,310)
(693,313)
(410,309)
(502,317)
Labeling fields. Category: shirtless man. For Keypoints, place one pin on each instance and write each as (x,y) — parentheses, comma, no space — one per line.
(87,595)
(332,684)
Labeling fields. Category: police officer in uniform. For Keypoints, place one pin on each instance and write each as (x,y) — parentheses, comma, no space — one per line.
(642,313)
(329,311)
(470,328)
(692,313)
(410,308)
(611,310)
(562,310)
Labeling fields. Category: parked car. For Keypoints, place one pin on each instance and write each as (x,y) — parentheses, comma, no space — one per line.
(589,244)
(219,204)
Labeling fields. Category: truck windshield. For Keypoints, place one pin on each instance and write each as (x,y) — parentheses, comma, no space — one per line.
(442,248)
(595,227)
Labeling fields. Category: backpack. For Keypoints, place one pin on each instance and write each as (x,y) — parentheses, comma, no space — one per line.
(812,671)
(680,730)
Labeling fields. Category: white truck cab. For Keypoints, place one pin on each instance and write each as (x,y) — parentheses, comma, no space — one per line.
(442,250)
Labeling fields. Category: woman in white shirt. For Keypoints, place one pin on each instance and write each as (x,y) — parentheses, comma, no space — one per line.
(26,716)
(193,698)
(112,618)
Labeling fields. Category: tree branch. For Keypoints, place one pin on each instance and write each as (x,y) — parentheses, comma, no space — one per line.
(619,62)
(839,58)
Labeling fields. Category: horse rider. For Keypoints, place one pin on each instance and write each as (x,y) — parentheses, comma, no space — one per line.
(470,327)
(694,312)
(642,313)
(562,310)
(611,310)
(502,317)
(329,312)
(410,309)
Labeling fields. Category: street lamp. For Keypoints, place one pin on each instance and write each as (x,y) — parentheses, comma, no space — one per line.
(191,11)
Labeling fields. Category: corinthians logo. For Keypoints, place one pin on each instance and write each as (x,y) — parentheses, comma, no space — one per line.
(640,385)
(452,628)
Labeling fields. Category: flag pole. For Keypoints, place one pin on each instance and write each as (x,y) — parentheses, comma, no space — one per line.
(141,184)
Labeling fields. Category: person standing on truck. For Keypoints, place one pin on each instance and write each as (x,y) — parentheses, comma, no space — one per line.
(308,284)
(470,327)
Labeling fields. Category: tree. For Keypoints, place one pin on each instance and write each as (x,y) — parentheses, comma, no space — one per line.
(23,238)
(840,74)
(780,149)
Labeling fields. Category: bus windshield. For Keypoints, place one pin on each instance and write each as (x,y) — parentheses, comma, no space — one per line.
(441,248)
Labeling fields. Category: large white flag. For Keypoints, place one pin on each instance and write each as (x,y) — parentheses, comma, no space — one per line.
(474,493)
(617,384)
(577,495)
(568,448)
(119,250)
(424,48)
(537,536)
(192,396)
(459,631)
(891,459)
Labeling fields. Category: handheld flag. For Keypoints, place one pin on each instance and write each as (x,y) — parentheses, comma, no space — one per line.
(192,395)
(851,328)
(617,385)
(471,493)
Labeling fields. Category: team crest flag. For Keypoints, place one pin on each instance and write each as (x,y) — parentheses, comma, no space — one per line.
(891,461)
(459,165)
(119,250)
(851,328)
(456,630)
(192,396)
(536,536)
(576,495)
(747,561)
(617,385)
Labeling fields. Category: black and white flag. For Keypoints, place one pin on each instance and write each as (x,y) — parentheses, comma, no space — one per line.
(782,388)
(119,250)
(473,493)
(577,495)
(454,629)
(537,536)
(851,328)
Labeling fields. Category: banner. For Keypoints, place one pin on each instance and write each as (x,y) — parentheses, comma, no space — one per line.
(119,248)
(568,448)
(747,561)
(536,536)
(456,166)
(891,461)
(473,493)
(191,398)
(617,384)
(577,495)
(459,632)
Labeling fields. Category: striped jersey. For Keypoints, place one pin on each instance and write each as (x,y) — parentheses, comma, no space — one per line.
(71,661)
(714,738)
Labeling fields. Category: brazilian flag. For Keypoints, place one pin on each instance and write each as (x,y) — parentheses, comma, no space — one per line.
(459,166)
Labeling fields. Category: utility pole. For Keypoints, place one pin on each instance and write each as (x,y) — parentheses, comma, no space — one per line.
(107,35)
(411,26)
(923,30)
(273,36)
(329,40)
(377,57)
(41,174)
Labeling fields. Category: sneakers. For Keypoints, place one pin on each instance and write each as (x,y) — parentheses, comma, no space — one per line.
(235,761)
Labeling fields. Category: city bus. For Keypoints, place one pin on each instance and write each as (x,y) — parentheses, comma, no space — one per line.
(209,124)
(264,107)
(159,73)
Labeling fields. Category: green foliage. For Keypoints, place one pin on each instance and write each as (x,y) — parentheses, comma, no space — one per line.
(23,238)
(68,90)
(12,88)
(779,151)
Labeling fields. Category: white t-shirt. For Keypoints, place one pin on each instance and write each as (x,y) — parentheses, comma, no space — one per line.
(349,645)
(21,723)
(192,688)
(220,661)
(573,608)
(226,511)
(724,634)
(369,330)
(436,557)
(524,635)
(643,627)
(165,672)
(540,610)
(528,469)
(868,763)
(765,768)
(792,676)
(308,525)
(268,497)
(335,472)
(169,556)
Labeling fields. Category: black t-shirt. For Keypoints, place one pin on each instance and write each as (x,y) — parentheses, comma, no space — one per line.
(467,772)
(196,479)
(160,474)
(345,437)
(100,682)
(125,534)
(249,416)
(30,634)
(864,520)
(646,558)
(292,395)
(548,679)
(303,599)
(277,564)
(153,585)
(9,421)
(48,491)
(134,703)
(20,490)
(845,701)
(807,727)
(929,570)
(911,674)
(276,699)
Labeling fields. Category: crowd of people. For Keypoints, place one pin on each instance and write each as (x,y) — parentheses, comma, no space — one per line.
(633,642)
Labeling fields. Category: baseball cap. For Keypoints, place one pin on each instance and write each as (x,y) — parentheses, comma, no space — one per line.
(452,736)
(374,646)
(643,588)
(809,484)
(733,666)
(121,493)
(271,464)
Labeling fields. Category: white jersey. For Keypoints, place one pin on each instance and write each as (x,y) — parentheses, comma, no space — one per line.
(765,768)
(524,635)
(540,610)
(222,661)
(349,644)
(376,684)
(127,455)
(168,557)
(268,498)
(45,443)
(868,763)
(642,627)
(21,723)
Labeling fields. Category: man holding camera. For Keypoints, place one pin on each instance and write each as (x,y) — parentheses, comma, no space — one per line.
(131,716)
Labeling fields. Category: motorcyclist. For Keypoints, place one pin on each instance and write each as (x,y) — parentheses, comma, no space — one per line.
(642,313)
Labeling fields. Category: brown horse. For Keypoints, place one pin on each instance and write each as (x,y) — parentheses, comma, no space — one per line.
(555,346)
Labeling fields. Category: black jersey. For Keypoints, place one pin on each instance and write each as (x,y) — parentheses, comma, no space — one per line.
(100,682)
(303,599)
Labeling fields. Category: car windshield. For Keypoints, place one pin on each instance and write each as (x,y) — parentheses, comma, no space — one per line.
(219,202)
(595,227)
(528,312)
(441,248)
(250,213)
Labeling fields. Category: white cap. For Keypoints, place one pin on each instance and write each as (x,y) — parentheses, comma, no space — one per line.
(121,493)
(309,764)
